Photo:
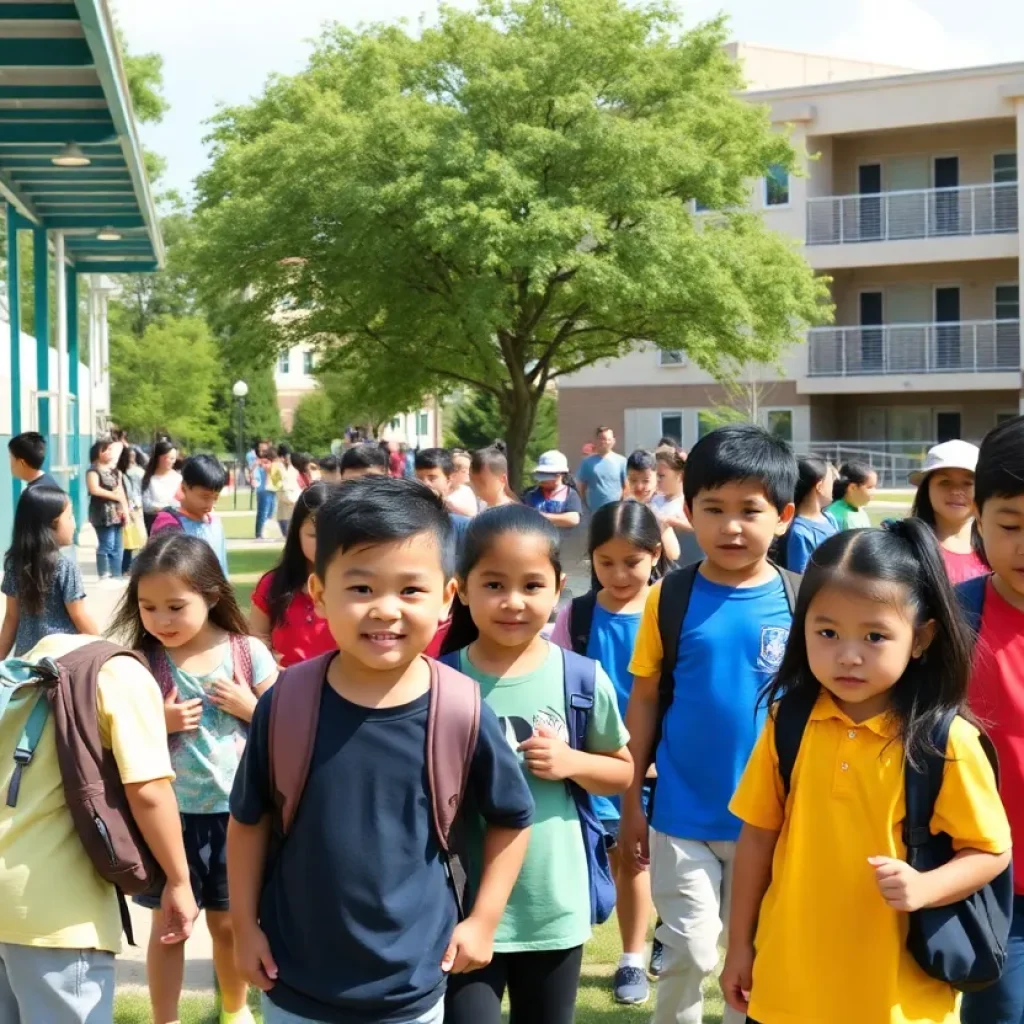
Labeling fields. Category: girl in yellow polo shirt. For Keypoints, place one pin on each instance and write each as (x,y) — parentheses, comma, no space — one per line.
(821,893)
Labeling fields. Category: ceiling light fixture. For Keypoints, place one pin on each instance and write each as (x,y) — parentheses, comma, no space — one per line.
(71,156)
(109,235)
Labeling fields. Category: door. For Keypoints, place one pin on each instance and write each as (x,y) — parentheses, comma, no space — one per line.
(907,182)
(908,313)
(1007,306)
(869,185)
(947,426)
(947,329)
(947,204)
(871,333)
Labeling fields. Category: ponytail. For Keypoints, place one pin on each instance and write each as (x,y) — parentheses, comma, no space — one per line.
(853,472)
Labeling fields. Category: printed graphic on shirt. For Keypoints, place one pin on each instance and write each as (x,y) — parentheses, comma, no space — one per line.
(773,647)
(516,729)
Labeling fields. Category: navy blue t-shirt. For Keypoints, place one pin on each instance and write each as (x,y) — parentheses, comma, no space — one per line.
(356,903)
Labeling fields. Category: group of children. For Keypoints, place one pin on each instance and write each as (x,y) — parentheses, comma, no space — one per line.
(333,882)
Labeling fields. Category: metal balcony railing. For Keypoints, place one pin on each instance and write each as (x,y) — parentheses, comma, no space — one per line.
(926,213)
(978,346)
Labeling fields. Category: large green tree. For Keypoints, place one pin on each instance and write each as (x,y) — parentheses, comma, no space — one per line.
(505,199)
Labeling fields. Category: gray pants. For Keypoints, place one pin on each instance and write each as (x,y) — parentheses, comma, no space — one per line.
(58,986)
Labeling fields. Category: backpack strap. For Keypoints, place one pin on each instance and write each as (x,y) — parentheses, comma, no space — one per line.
(792,713)
(26,748)
(294,716)
(581,619)
(922,785)
(241,660)
(452,659)
(790,584)
(580,675)
(453,725)
(971,595)
(159,664)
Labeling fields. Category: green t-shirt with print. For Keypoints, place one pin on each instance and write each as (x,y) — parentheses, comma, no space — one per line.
(550,905)
(847,517)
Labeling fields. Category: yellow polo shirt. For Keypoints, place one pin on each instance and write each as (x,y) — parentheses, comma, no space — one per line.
(50,894)
(829,949)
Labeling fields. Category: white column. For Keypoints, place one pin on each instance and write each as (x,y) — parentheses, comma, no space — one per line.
(61,313)
(104,336)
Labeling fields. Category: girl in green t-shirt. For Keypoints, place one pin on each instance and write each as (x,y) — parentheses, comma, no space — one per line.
(510,578)
(854,488)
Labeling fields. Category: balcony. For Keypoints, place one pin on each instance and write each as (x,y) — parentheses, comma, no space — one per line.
(968,210)
(976,347)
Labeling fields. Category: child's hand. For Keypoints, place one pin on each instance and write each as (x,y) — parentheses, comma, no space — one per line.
(737,976)
(471,947)
(634,835)
(253,958)
(183,717)
(548,756)
(233,699)
(901,886)
(178,912)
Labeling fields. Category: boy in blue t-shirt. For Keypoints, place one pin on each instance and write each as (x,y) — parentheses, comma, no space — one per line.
(351,916)
(203,477)
(738,492)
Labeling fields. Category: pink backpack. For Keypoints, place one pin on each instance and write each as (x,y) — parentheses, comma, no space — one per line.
(241,664)
(453,724)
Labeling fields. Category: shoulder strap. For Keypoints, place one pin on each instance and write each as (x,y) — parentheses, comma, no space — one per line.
(294,716)
(580,681)
(241,659)
(452,659)
(971,595)
(673,603)
(581,619)
(922,788)
(792,714)
(27,743)
(453,725)
(159,663)
(791,584)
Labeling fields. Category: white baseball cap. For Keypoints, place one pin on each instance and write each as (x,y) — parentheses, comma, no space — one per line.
(948,455)
(551,464)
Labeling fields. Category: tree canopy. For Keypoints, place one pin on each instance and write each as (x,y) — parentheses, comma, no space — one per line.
(505,199)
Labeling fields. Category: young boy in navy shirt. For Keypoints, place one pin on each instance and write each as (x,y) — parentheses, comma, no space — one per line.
(738,492)
(352,919)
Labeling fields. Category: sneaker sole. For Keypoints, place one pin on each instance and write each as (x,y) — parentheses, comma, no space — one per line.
(632,1002)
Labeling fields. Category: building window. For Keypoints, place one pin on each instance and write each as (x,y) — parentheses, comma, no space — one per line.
(706,422)
(422,425)
(308,362)
(780,423)
(396,423)
(1007,302)
(1005,417)
(699,207)
(284,362)
(1004,168)
(776,186)
(672,426)
(671,357)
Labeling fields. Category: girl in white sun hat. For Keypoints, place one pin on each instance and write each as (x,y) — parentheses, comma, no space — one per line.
(945,501)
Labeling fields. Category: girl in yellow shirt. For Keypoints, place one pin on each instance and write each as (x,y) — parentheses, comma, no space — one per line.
(822,890)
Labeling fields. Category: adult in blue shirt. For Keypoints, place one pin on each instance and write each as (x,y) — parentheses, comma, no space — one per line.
(602,476)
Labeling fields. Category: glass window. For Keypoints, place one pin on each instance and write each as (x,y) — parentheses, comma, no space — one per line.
(284,362)
(421,425)
(1007,302)
(776,186)
(307,363)
(780,423)
(671,357)
(705,424)
(1004,167)
(672,426)
(1005,417)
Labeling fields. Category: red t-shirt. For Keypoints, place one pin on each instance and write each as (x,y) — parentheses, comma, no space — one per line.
(997,699)
(961,567)
(303,634)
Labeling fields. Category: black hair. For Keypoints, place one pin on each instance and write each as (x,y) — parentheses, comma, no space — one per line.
(194,562)
(284,452)
(31,560)
(1000,470)
(672,456)
(329,464)
(641,461)
(634,523)
(668,442)
(124,463)
(366,455)
(436,458)
(204,471)
(852,472)
(291,573)
(741,451)
(381,510)
(923,509)
(160,449)
(98,448)
(904,553)
(811,470)
(481,533)
(30,447)
(494,458)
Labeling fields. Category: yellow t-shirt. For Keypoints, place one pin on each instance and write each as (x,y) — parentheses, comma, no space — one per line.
(50,894)
(823,910)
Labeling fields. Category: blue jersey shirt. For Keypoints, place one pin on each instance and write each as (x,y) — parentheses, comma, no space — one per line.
(804,536)
(731,643)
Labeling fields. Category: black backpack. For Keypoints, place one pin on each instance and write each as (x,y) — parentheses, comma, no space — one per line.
(963,944)
(581,619)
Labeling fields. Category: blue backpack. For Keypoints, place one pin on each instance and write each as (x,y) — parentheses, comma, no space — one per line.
(971,595)
(580,682)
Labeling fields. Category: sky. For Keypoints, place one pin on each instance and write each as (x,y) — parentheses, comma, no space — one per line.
(222,51)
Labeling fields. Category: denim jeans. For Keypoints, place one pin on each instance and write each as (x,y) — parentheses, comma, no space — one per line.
(1002,1003)
(109,550)
(265,501)
(58,986)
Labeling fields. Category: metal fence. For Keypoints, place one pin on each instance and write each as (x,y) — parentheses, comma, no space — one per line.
(893,461)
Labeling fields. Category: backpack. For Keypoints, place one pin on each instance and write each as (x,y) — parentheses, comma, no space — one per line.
(177,516)
(67,689)
(241,662)
(453,725)
(580,675)
(971,595)
(673,602)
(581,619)
(963,944)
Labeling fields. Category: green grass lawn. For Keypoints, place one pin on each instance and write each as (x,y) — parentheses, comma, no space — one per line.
(593,1006)
(258,560)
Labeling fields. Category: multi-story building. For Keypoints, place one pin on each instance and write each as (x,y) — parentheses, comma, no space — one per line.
(909,201)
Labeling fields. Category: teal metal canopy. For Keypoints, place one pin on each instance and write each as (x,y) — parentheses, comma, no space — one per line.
(62,85)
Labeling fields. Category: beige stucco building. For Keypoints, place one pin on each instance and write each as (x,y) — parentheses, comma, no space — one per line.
(909,201)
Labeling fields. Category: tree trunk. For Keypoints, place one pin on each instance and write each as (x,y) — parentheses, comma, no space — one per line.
(519,418)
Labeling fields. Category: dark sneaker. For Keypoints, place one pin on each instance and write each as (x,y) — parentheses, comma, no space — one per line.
(631,986)
(657,959)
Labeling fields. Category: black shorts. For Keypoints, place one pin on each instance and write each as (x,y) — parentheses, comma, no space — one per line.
(206,845)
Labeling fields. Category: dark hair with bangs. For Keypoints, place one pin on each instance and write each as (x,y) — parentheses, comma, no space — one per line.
(1000,470)
(31,561)
(366,455)
(436,458)
(641,461)
(481,533)
(634,523)
(904,553)
(374,510)
(204,471)
(923,509)
(741,451)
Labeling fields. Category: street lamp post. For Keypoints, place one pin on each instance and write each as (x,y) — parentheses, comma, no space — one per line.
(240,390)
